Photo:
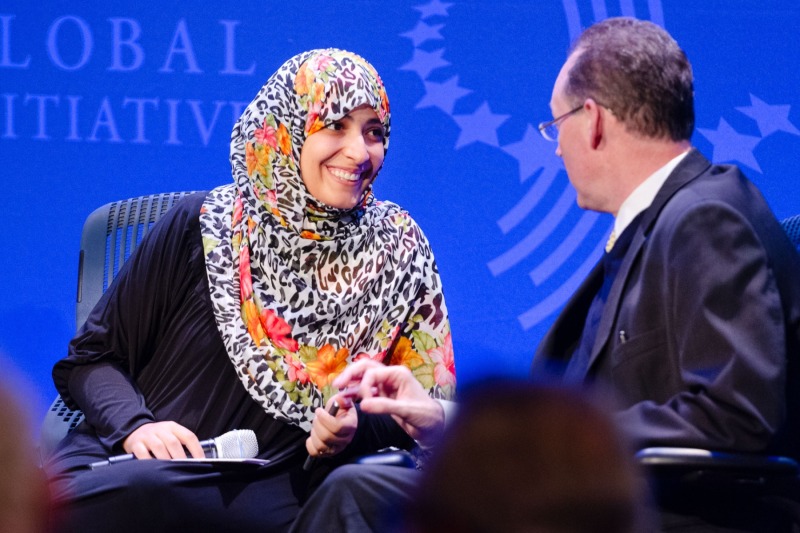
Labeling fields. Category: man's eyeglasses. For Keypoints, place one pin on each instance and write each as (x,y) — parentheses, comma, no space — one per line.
(549,130)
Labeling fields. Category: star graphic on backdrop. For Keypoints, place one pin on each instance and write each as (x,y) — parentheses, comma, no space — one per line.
(435,7)
(480,126)
(770,118)
(533,152)
(423,63)
(730,145)
(422,33)
(442,95)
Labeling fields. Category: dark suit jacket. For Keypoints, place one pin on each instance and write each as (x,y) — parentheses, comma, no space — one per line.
(700,334)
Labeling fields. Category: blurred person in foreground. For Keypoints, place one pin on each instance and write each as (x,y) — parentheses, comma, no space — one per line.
(521,457)
(24,498)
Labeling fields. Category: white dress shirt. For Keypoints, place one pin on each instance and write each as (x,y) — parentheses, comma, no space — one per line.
(643,195)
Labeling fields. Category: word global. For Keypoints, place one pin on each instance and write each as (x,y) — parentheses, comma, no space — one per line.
(70,46)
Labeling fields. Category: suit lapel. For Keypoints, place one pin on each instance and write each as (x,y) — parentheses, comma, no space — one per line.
(692,166)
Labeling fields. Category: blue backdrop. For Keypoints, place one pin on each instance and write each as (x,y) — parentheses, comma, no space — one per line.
(106,100)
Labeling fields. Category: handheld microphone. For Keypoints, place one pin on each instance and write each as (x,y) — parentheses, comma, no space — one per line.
(236,444)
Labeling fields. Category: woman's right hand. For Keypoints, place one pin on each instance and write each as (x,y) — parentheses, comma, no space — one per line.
(163,440)
(331,434)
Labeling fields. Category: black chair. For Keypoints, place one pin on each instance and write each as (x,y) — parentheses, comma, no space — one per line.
(791,226)
(110,234)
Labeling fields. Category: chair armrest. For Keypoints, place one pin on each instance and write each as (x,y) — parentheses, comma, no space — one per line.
(388,457)
(58,421)
(679,459)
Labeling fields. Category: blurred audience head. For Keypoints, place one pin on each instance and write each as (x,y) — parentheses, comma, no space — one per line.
(24,499)
(521,457)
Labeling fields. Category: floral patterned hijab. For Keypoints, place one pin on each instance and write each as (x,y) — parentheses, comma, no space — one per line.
(301,289)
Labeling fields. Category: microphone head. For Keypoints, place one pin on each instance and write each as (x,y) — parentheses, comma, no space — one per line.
(237,444)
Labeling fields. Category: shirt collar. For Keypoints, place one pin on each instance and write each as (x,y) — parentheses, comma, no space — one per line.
(643,195)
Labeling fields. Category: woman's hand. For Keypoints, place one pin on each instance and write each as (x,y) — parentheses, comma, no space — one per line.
(394,390)
(163,440)
(331,434)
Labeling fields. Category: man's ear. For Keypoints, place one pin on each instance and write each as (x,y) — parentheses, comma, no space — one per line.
(594,114)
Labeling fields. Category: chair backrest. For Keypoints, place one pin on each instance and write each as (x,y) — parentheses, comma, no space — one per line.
(791,226)
(110,233)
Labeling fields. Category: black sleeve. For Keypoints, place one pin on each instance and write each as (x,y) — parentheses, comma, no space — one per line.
(375,432)
(116,343)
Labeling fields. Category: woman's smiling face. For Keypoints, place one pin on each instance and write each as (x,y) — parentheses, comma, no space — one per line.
(339,162)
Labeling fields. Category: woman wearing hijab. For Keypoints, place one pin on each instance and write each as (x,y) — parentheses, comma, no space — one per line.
(239,309)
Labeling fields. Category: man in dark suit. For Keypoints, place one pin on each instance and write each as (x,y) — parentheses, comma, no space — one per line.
(701,317)
(692,318)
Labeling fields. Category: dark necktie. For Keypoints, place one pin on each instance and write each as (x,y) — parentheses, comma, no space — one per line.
(611,261)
